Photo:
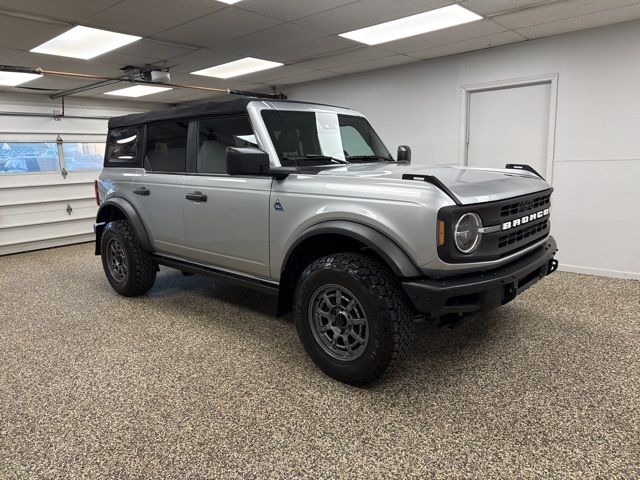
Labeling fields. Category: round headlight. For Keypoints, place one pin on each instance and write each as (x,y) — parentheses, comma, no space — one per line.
(466,233)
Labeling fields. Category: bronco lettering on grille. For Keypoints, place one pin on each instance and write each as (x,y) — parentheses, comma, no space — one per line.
(523,220)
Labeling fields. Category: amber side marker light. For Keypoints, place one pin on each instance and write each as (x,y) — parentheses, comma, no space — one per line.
(440,232)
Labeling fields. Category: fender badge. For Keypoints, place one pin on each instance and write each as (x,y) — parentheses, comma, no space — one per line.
(278,206)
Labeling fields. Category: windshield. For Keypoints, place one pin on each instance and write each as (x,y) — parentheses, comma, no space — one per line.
(322,138)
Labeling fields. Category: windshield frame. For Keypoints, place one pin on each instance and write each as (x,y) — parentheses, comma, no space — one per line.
(256,108)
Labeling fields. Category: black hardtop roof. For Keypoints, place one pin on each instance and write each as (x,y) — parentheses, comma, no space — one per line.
(228,107)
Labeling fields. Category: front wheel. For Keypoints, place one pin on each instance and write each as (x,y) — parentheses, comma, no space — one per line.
(352,317)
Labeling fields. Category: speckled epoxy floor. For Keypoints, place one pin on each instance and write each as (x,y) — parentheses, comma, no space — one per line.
(198,379)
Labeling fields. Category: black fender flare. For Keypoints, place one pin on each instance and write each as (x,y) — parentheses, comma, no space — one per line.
(381,244)
(130,213)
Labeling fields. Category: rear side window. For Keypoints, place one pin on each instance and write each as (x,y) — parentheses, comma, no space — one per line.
(215,135)
(122,146)
(167,147)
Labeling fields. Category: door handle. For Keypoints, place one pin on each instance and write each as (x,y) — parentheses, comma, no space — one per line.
(141,191)
(196,197)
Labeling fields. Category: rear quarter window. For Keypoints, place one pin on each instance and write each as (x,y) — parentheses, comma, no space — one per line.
(122,147)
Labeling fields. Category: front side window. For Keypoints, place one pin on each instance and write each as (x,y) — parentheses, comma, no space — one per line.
(320,138)
(167,147)
(215,135)
(28,157)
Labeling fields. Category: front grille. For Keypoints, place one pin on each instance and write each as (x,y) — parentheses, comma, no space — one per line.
(494,246)
(525,205)
(530,231)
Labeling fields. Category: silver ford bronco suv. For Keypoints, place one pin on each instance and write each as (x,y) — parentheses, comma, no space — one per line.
(305,201)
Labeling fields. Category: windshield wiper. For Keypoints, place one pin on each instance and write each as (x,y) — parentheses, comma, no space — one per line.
(313,156)
(370,157)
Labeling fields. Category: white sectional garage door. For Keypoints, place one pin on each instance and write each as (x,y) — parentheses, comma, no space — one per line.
(47,169)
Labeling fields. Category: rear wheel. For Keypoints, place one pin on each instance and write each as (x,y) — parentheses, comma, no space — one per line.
(129,269)
(352,317)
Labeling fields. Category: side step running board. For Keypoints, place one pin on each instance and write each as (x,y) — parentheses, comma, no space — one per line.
(240,279)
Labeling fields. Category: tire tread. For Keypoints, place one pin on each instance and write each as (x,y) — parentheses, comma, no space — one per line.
(387,293)
(141,265)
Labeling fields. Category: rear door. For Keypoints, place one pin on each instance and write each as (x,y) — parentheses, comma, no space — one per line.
(226,218)
(157,190)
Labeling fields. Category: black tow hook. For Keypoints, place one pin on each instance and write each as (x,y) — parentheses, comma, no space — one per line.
(552,267)
(510,292)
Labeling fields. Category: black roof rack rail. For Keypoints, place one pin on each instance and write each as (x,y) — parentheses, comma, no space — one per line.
(523,166)
(434,181)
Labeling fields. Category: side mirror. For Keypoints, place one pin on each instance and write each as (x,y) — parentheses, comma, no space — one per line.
(246,161)
(253,161)
(280,173)
(404,154)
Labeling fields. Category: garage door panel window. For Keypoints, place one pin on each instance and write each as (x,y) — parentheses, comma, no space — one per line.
(167,147)
(83,156)
(215,135)
(28,157)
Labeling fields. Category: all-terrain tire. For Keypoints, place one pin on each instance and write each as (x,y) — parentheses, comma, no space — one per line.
(378,291)
(140,272)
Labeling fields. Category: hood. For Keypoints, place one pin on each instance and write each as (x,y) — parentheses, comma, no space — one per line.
(469,185)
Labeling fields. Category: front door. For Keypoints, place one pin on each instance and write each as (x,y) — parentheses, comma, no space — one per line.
(226,218)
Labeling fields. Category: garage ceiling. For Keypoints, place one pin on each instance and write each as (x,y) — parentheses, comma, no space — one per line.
(189,35)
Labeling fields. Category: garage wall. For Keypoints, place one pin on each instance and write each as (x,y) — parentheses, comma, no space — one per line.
(45,209)
(596,156)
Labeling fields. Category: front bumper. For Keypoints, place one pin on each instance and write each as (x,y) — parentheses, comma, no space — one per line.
(480,292)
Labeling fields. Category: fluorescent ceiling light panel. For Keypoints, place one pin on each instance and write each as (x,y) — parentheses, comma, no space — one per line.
(229,2)
(85,43)
(430,21)
(138,91)
(237,68)
(11,79)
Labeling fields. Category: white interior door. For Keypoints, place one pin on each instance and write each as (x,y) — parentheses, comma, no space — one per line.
(509,125)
